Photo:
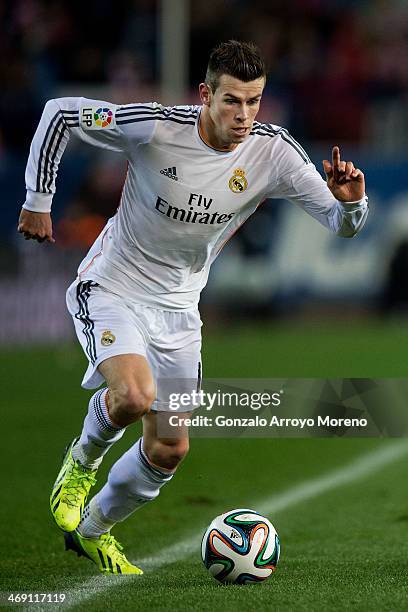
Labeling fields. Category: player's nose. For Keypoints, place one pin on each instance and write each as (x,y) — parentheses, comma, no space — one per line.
(242,114)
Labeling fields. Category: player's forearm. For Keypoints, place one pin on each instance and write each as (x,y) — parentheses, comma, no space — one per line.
(341,218)
(47,147)
(311,193)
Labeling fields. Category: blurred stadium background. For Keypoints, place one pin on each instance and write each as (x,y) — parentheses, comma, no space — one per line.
(338,74)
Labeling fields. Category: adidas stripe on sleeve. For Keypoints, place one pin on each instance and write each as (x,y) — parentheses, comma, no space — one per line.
(96,122)
(267,129)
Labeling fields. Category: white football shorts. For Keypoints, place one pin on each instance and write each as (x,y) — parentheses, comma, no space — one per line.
(107,325)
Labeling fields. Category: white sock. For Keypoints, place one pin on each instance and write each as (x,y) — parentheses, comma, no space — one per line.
(92,523)
(132,482)
(98,433)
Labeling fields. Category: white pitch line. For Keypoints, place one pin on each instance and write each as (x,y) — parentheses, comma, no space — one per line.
(359,468)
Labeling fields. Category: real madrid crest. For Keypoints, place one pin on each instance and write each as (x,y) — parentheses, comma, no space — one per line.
(107,338)
(238,182)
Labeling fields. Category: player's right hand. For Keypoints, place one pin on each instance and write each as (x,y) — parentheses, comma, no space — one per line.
(35,226)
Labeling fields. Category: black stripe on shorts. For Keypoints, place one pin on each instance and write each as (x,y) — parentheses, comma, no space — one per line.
(82,294)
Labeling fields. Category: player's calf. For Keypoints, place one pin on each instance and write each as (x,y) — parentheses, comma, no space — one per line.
(167,454)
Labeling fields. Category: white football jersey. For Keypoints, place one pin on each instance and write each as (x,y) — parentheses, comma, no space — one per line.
(182,200)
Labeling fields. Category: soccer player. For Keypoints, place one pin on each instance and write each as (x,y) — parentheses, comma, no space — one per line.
(195,174)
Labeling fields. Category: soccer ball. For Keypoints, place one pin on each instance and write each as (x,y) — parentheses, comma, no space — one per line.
(240,546)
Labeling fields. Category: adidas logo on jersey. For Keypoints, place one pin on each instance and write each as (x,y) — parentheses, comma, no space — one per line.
(170,172)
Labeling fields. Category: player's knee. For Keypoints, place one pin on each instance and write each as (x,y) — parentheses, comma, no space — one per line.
(129,403)
(168,455)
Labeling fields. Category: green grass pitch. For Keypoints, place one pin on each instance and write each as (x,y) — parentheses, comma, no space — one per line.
(342,550)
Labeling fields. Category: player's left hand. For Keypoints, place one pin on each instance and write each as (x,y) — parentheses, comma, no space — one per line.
(346,182)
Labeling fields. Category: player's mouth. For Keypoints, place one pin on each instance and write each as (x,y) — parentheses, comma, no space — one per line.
(241,131)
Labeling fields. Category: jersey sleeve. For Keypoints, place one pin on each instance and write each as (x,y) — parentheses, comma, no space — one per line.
(298,181)
(98,123)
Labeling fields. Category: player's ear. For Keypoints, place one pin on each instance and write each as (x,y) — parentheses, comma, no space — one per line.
(205,93)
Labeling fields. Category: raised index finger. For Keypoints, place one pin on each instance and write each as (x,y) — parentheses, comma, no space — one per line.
(336,157)
(336,162)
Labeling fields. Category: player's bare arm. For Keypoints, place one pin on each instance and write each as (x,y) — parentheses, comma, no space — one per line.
(35,226)
(346,182)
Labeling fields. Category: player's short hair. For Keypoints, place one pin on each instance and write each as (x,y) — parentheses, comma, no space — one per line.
(241,60)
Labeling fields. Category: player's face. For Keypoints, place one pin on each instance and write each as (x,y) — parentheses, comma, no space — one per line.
(230,110)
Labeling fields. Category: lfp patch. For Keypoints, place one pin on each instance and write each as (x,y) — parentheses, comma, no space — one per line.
(96,118)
